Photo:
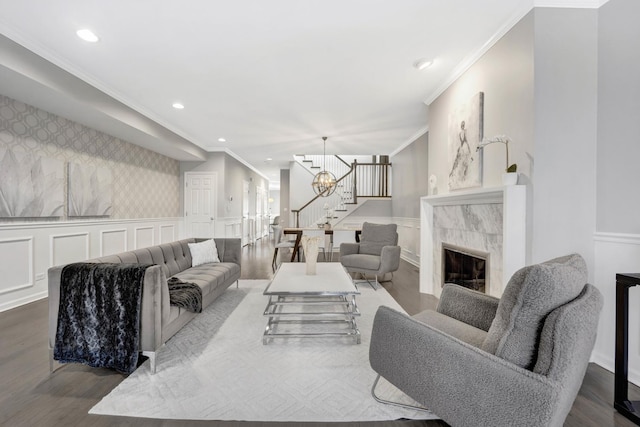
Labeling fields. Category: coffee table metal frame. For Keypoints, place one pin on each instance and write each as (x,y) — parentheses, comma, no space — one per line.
(331,288)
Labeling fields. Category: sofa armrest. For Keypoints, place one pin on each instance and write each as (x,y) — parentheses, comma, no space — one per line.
(460,383)
(154,311)
(53,283)
(468,306)
(389,259)
(229,249)
(349,249)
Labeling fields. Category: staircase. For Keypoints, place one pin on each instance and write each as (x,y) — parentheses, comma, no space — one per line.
(364,180)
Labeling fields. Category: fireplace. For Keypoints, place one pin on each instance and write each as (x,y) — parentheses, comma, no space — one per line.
(465,267)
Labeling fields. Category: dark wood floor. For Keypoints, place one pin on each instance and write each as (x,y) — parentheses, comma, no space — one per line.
(30,396)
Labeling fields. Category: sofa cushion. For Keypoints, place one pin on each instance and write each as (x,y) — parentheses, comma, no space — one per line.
(209,276)
(531,294)
(375,236)
(203,252)
(455,328)
(361,262)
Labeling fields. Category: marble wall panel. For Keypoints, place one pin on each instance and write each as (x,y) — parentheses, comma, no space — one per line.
(477,227)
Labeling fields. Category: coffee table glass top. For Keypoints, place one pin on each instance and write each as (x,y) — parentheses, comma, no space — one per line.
(330,279)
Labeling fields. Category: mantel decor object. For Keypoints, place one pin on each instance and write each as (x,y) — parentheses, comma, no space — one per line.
(510,175)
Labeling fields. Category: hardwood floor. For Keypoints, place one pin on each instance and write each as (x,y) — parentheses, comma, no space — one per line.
(30,396)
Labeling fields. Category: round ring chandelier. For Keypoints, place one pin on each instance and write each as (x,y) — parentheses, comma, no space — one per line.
(324,182)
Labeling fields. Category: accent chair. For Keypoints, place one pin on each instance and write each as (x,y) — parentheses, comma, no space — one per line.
(480,361)
(376,254)
(280,244)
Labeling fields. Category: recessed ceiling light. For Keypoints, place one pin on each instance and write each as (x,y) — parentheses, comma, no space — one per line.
(269,159)
(422,64)
(87,35)
(178,106)
(222,140)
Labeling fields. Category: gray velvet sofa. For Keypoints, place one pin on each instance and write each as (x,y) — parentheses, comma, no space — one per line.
(159,320)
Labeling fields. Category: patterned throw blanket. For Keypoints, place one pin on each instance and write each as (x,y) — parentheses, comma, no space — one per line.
(186,295)
(99,315)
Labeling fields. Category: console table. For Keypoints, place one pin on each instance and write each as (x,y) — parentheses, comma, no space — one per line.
(621,402)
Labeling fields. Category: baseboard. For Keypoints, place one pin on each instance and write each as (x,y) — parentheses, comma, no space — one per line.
(414,262)
(606,362)
(22,301)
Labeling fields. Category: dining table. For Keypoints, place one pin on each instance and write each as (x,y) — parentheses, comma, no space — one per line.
(299,231)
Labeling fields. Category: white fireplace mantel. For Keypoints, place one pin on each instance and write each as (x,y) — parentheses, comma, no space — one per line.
(514,228)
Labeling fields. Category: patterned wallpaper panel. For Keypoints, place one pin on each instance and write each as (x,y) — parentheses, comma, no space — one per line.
(145,184)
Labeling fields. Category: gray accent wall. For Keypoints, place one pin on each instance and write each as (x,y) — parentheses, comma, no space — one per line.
(564,176)
(618,172)
(505,74)
(410,178)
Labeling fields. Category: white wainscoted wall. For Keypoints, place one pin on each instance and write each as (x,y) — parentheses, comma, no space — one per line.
(27,250)
(409,239)
(617,253)
(229,227)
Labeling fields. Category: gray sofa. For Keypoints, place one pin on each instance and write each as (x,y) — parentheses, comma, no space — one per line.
(159,320)
(480,361)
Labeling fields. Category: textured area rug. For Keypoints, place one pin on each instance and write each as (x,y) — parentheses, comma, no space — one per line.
(216,368)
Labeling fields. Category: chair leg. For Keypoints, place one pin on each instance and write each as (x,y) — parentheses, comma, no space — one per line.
(388,402)
(275,256)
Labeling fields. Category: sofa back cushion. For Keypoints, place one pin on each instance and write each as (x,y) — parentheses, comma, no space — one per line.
(375,236)
(531,294)
(173,257)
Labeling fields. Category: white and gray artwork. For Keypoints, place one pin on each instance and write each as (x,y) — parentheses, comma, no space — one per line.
(30,186)
(90,192)
(465,133)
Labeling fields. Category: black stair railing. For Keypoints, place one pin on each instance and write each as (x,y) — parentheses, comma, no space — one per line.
(362,180)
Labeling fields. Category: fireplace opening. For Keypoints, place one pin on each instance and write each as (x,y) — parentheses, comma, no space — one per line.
(465,267)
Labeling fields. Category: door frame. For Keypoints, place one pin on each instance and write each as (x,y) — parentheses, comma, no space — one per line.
(187,198)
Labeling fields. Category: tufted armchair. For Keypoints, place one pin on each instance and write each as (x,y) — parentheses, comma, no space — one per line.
(377,253)
(480,361)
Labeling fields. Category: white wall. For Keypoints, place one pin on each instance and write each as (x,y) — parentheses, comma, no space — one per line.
(617,240)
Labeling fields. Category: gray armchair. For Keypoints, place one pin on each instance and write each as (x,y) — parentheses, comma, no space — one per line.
(376,254)
(480,361)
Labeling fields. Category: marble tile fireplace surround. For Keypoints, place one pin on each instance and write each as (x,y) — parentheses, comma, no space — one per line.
(484,220)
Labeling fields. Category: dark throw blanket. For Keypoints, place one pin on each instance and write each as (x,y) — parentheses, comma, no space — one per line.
(186,295)
(99,315)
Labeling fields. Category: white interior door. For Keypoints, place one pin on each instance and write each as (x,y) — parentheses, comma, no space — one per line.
(246,229)
(259,212)
(200,203)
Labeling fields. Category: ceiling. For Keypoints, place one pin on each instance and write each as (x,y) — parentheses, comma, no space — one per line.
(271,77)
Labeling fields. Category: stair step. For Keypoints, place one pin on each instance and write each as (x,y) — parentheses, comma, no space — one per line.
(315,167)
(310,161)
(339,210)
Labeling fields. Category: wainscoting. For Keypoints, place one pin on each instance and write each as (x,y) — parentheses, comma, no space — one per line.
(617,253)
(27,250)
(409,239)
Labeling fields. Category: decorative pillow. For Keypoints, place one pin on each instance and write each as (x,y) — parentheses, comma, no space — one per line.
(203,252)
(375,236)
(531,294)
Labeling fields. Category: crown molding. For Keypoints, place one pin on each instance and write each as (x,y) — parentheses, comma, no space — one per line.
(582,4)
(238,158)
(510,23)
(410,141)
(467,62)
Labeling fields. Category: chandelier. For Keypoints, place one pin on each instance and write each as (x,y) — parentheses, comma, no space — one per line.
(324,182)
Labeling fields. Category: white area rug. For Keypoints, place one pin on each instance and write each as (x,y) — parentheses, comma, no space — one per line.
(216,368)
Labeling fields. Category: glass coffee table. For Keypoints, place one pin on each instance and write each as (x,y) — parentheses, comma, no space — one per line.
(311,306)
